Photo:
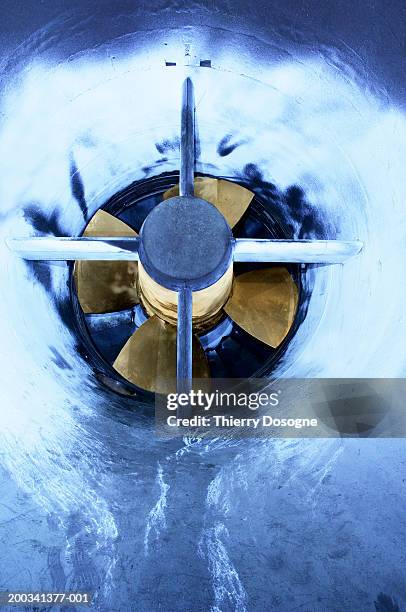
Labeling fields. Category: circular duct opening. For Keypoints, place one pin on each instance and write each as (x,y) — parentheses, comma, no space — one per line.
(231,351)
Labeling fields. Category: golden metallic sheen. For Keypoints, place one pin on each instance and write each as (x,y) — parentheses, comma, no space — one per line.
(148,359)
(106,286)
(264,303)
(207,303)
(229,198)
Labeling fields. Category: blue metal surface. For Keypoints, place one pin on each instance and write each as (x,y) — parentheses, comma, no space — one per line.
(184,341)
(90,498)
(295,251)
(66,248)
(185,240)
(187,140)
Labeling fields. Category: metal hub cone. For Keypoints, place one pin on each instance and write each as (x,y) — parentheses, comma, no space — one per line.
(185,241)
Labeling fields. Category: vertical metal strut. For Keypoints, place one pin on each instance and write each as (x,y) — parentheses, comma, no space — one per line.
(186,188)
(184,341)
(187,140)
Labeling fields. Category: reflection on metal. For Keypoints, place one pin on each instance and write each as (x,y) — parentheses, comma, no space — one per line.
(264,304)
(148,359)
(207,303)
(107,248)
(184,341)
(106,286)
(104,224)
(229,198)
(296,251)
(187,139)
(126,249)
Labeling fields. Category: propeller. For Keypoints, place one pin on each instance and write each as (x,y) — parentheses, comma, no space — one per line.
(106,286)
(148,359)
(264,304)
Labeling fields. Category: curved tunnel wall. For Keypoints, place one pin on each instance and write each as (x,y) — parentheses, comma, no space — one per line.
(79,125)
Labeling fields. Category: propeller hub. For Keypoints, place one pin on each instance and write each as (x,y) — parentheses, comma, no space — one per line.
(185,241)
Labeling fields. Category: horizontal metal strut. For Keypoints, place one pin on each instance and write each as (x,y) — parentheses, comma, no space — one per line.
(99,248)
(126,249)
(295,251)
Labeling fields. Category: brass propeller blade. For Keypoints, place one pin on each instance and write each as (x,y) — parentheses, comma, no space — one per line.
(263,303)
(148,359)
(230,199)
(106,286)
